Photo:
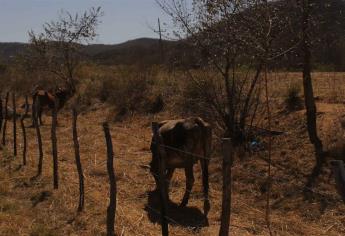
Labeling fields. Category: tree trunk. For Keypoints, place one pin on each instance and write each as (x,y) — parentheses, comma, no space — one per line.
(309,95)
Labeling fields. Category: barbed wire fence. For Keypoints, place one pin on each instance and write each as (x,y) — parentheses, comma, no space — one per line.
(196,156)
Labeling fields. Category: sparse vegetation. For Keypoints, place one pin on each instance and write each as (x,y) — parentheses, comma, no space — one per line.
(42,230)
(293,98)
(131,137)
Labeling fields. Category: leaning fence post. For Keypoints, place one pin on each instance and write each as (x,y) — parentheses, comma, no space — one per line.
(38,134)
(226,199)
(1,114)
(23,129)
(162,184)
(5,122)
(54,146)
(112,181)
(14,124)
(77,160)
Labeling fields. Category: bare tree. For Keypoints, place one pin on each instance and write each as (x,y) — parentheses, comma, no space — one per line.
(309,93)
(233,43)
(57,50)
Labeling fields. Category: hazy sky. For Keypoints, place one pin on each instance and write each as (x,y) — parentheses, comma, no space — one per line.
(122,20)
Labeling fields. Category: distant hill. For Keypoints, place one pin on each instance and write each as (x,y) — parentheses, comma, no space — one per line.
(9,50)
(142,50)
(328,50)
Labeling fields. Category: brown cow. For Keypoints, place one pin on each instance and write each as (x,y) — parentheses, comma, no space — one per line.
(48,99)
(186,141)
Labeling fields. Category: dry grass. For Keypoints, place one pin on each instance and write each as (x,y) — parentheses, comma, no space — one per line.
(31,206)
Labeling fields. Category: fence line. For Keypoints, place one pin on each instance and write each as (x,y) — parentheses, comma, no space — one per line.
(199,156)
(172,148)
(161,176)
(203,157)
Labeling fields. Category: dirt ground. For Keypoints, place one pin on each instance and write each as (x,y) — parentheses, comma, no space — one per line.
(30,206)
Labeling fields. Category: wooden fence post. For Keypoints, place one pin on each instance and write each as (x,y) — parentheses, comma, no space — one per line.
(54,146)
(23,129)
(226,199)
(14,125)
(1,114)
(338,170)
(77,160)
(162,180)
(112,181)
(5,122)
(38,134)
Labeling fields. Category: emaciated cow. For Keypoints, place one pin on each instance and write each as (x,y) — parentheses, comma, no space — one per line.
(48,99)
(185,141)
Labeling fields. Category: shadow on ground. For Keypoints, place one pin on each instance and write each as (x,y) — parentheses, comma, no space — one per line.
(189,217)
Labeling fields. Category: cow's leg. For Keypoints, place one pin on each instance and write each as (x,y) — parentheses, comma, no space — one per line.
(33,112)
(189,185)
(204,169)
(168,177)
(154,172)
(33,121)
(40,115)
(154,165)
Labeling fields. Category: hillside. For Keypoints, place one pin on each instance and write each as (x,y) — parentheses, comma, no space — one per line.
(9,50)
(145,50)
(327,31)
(142,50)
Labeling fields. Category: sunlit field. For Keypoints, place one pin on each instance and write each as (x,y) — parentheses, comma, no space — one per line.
(30,206)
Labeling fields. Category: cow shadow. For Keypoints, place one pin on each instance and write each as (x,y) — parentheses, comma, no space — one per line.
(189,217)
